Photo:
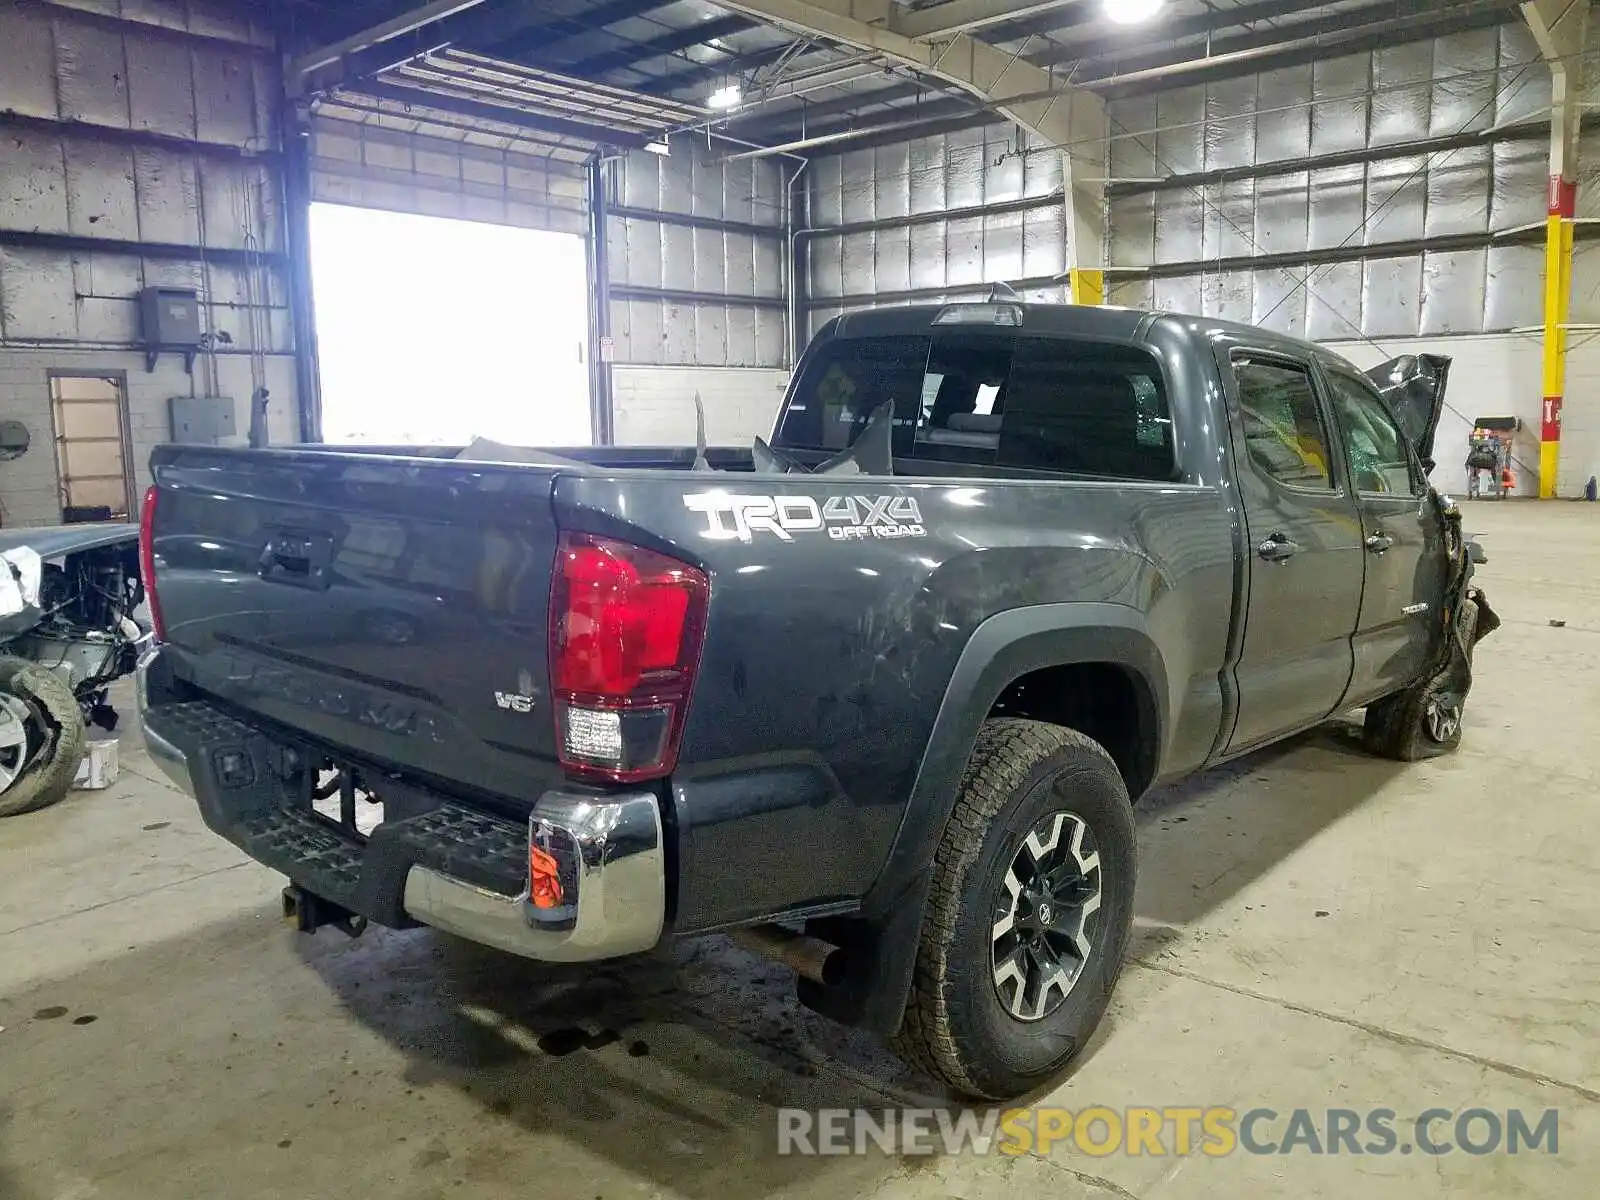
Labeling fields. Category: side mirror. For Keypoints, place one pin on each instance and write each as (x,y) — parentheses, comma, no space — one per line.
(1475,554)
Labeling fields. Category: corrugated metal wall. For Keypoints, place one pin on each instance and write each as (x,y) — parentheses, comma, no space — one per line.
(697,251)
(920,221)
(138,149)
(1318,169)
(1410,148)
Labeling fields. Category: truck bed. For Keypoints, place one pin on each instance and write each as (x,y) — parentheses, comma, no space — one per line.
(394,610)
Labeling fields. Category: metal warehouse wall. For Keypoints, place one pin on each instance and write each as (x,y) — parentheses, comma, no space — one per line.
(1431,197)
(134,150)
(1396,169)
(696,250)
(1385,203)
(939,217)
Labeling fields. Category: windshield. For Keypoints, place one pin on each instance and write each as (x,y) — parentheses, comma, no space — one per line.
(1044,404)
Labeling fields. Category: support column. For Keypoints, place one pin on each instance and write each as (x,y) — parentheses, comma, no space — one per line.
(602,409)
(1557,306)
(1088,285)
(1560,27)
(797,219)
(935,41)
(295,134)
(1084,169)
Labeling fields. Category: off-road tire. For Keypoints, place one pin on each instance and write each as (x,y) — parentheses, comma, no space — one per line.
(955,1027)
(1397,726)
(48,777)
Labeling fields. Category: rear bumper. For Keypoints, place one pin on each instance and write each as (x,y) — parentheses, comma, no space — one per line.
(171,761)
(444,865)
(613,879)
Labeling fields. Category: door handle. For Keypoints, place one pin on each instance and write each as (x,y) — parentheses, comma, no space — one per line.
(1379,542)
(1278,548)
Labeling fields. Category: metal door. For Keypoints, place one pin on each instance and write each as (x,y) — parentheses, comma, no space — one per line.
(1403,540)
(1305,539)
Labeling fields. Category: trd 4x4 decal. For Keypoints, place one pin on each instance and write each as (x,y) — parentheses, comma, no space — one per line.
(846,518)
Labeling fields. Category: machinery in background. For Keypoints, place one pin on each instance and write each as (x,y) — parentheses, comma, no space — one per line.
(1489,452)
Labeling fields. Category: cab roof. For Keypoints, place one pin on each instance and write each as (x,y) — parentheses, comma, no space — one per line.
(1064,320)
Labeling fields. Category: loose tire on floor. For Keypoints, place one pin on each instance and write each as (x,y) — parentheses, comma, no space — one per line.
(1425,720)
(56,736)
(960,1024)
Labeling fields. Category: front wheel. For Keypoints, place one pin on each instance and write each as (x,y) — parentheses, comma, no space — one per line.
(1424,721)
(1029,913)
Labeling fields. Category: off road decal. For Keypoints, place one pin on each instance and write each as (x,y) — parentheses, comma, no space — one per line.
(845,518)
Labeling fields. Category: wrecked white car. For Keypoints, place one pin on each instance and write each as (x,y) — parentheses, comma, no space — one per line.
(68,630)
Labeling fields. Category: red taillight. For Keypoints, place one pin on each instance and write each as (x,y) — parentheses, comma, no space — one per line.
(147,561)
(625,631)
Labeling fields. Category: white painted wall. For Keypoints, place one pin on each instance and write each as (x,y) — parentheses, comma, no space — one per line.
(1580,417)
(655,405)
(1493,375)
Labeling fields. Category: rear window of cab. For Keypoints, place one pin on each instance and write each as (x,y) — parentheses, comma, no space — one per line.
(1031,403)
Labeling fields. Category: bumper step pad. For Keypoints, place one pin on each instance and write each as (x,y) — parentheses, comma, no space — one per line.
(306,849)
(437,862)
(260,813)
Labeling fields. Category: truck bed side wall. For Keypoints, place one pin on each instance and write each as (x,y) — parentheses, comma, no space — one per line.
(832,652)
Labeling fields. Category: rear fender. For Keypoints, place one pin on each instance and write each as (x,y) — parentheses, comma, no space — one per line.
(1004,648)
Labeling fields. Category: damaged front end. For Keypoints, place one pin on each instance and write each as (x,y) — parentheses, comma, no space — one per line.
(1467,615)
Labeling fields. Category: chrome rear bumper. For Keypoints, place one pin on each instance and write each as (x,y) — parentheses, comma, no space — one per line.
(171,761)
(613,873)
(607,850)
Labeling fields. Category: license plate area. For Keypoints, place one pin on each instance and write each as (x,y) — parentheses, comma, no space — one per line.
(340,796)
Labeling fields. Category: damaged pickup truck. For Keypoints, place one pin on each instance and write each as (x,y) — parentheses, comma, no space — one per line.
(875,698)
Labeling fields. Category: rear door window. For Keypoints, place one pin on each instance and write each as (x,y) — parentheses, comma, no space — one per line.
(1282,425)
(1038,404)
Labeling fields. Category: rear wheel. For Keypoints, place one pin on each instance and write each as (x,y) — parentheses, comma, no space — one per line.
(1029,914)
(42,737)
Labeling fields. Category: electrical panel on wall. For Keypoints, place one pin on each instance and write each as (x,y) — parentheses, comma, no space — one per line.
(169,319)
(203,420)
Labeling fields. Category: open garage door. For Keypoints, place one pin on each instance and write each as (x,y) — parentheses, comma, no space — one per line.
(449,245)
(448,135)
(436,331)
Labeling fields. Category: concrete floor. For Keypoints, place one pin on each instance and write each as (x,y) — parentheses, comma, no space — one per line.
(1317,929)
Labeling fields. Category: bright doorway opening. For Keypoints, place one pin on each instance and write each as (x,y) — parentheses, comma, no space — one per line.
(90,413)
(436,331)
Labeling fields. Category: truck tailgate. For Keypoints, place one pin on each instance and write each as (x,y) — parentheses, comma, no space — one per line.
(394,608)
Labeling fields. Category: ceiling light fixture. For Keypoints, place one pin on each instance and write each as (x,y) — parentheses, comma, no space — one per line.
(1132,12)
(726,97)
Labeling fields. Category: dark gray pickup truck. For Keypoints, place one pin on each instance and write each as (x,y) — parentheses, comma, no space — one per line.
(878,711)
